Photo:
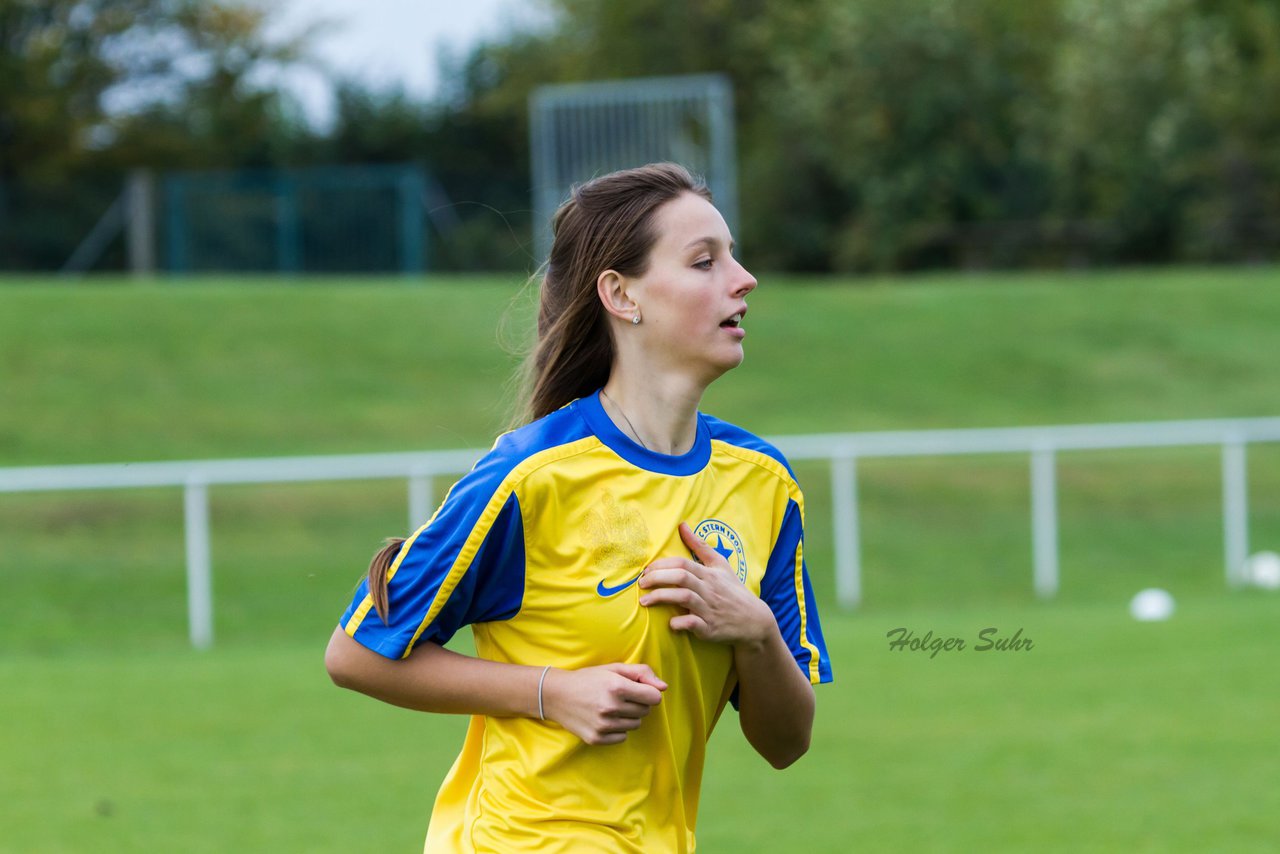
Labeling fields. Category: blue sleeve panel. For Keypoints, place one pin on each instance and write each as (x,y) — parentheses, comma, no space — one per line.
(492,588)
(434,578)
(488,587)
(778,590)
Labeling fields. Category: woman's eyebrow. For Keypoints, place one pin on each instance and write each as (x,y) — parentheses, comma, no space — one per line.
(710,242)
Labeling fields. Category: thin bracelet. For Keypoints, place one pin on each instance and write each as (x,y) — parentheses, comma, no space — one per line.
(541,679)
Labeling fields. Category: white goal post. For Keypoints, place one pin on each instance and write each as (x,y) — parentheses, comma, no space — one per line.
(582,130)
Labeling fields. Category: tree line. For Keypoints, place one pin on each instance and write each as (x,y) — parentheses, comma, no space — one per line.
(873,135)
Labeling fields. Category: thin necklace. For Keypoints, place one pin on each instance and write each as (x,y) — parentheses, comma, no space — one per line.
(625,418)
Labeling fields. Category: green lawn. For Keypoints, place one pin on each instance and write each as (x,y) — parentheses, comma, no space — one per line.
(1107,735)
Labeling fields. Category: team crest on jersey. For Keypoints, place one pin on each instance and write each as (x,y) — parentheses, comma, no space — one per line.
(726,541)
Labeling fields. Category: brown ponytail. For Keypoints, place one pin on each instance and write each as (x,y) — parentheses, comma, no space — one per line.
(607,224)
(378,568)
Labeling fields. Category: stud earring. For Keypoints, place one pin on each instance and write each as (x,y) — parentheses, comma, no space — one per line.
(635,321)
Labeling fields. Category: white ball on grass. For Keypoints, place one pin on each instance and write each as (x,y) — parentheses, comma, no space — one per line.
(1151,605)
(1263,570)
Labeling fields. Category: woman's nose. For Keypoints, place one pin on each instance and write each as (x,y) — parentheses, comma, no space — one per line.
(746,284)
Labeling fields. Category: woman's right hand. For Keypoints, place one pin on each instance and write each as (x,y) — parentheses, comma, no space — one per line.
(600,705)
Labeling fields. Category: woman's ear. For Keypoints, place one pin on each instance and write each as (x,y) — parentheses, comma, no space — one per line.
(612,288)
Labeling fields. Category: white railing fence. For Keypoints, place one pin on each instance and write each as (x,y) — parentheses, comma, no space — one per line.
(841,451)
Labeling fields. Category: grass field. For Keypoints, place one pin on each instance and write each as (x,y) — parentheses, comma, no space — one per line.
(1106,735)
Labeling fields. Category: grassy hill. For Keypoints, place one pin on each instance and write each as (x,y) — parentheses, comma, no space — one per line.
(118,371)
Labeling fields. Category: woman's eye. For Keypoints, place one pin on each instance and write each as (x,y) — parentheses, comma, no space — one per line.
(704,264)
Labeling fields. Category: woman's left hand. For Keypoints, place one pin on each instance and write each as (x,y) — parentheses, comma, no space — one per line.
(717,606)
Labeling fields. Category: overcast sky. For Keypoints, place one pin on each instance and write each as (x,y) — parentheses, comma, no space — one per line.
(392,42)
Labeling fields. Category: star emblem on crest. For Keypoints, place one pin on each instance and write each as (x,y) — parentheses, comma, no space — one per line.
(720,548)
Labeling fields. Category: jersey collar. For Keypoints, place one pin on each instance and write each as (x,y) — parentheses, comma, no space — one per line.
(692,462)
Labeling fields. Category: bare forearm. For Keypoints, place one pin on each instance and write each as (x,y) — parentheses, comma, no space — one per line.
(599,704)
(775,700)
(434,679)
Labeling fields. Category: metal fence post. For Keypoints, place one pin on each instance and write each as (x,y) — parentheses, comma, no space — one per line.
(199,574)
(1044,522)
(844,500)
(421,487)
(1235,510)
(141,223)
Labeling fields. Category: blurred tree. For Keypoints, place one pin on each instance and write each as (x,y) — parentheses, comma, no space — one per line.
(479,146)
(873,134)
(89,88)
(867,132)
(1123,120)
(924,115)
(487,99)
(197,87)
(1232,72)
(473,139)
(1162,129)
(52,75)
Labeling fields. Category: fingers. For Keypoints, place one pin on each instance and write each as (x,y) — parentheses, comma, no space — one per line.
(704,556)
(632,711)
(697,545)
(689,623)
(681,597)
(641,673)
(608,702)
(614,735)
(681,564)
(621,718)
(656,576)
(673,581)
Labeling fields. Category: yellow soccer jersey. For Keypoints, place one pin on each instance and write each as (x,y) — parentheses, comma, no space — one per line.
(538,549)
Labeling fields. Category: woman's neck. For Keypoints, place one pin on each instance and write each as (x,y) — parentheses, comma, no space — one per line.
(661,416)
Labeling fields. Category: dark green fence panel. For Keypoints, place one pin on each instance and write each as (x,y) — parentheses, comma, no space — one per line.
(353,219)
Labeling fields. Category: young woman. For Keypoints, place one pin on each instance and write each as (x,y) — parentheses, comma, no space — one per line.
(628,565)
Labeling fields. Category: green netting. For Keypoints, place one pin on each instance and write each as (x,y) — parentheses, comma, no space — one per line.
(327,220)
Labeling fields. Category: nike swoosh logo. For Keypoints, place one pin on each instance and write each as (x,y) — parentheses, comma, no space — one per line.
(610,591)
